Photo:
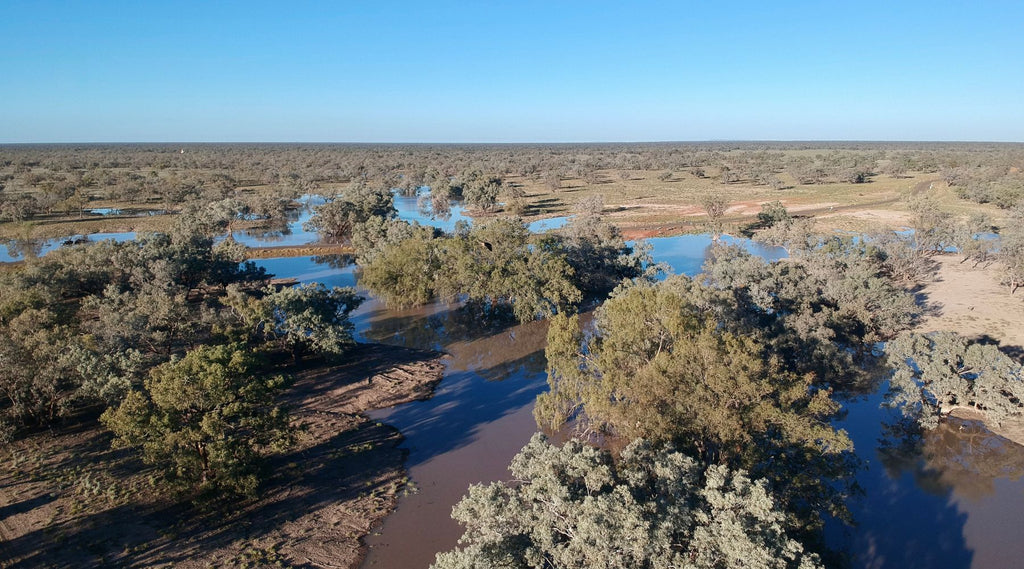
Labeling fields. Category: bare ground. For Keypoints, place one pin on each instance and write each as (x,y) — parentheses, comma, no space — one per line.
(970,300)
(68,500)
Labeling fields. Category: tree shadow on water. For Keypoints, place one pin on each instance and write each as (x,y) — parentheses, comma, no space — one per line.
(432,329)
(907,517)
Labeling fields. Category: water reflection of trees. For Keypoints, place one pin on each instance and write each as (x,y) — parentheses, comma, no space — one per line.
(959,454)
(335,261)
(499,355)
(23,248)
(477,339)
(269,230)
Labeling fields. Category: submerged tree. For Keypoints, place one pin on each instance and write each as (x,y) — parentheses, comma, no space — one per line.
(822,311)
(305,318)
(205,419)
(576,507)
(493,265)
(336,219)
(598,254)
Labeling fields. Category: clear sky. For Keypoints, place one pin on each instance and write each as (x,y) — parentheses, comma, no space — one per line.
(476,71)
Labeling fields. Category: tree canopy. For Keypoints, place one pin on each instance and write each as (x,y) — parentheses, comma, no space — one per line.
(576,507)
(305,318)
(336,219)
(821,311)
(661,366)
(936,373)
(204,419)
(501,264)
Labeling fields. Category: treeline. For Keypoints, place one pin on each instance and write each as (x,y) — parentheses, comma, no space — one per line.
(38,180)
(999,182)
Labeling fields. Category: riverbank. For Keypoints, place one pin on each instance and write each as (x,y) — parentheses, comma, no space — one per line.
(298,251)
(969,300)
(67,499)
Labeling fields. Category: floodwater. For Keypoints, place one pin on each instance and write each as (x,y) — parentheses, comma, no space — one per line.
(479,418)
(290,233)
(20,249)
(954,501)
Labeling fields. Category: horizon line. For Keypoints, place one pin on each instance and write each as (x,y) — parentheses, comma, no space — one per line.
(511,143)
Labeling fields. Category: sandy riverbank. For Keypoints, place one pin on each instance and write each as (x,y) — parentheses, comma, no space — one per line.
(67,499)
(970,301)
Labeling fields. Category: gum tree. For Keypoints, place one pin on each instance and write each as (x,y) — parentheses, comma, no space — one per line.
(205,420)
(576,507)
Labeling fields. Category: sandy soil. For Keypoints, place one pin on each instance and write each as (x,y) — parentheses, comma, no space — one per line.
(969,300)
(883,217)
(662,219)
(68,500)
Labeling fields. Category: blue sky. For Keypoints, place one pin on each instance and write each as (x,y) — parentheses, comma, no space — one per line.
(548,71)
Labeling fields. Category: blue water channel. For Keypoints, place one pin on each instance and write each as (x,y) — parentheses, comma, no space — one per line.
(289,234)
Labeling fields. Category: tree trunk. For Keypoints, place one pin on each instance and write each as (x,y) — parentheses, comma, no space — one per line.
(204,458)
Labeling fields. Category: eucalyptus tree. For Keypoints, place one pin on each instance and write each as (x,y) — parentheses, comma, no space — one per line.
(823,310)
(360,202)
(597,252)
(1011,251)
(302,319)
(668,363)
(482,192)
(577,507)
(494,265)
(205,420)
(937,373)
(714,206)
